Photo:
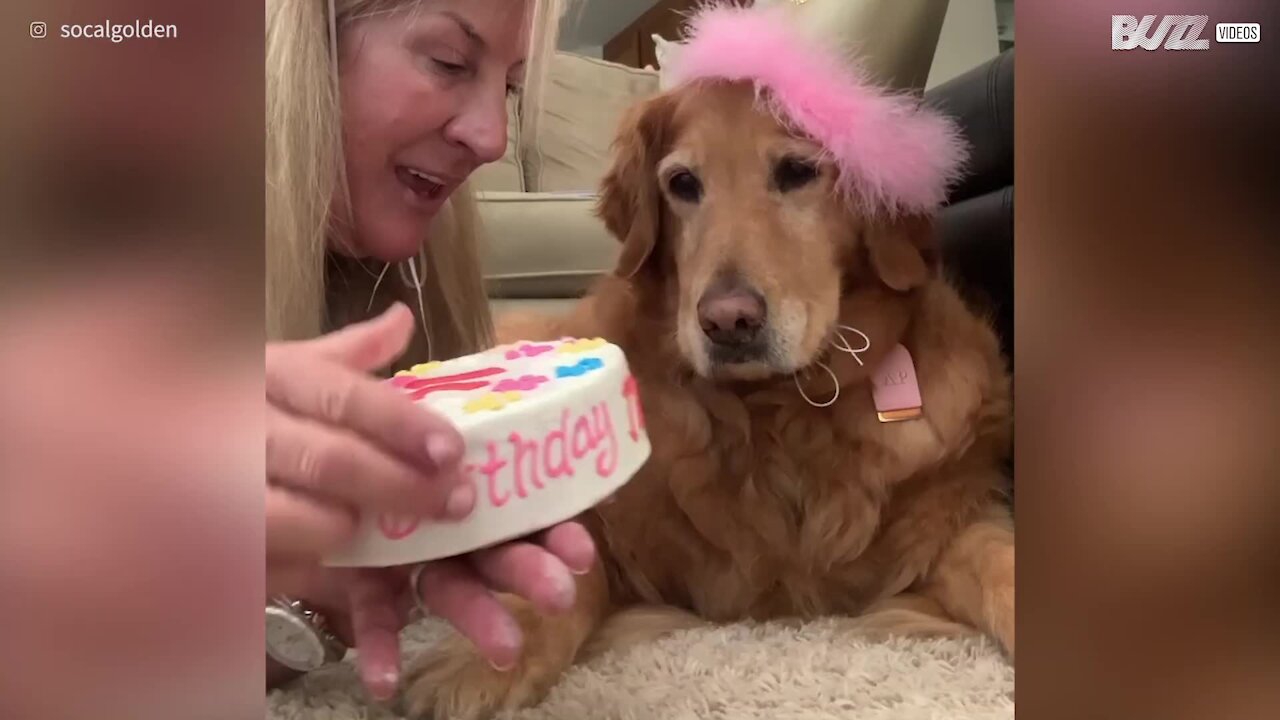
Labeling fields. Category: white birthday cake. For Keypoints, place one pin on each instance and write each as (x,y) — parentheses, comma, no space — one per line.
(551,429)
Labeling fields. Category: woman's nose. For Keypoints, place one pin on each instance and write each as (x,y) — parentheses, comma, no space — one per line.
(481,127)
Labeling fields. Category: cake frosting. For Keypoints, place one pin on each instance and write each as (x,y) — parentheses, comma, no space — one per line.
(551,429)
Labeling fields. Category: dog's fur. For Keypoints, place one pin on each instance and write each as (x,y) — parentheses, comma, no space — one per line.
(754,504)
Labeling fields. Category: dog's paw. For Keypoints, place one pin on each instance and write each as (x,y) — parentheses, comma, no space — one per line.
(451,681)
(1002,622)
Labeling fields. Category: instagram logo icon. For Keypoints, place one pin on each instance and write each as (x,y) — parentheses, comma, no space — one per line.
(39,30)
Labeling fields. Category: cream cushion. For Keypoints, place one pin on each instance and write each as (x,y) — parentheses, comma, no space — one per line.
(543,245)
(546,307)
(507,174)
(584,101)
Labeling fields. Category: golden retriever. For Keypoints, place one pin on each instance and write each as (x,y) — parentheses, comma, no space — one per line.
(739,264)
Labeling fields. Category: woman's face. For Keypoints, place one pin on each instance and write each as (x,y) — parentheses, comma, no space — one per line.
(424,93)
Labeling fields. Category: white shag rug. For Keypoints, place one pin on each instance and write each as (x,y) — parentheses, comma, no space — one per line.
(738,672)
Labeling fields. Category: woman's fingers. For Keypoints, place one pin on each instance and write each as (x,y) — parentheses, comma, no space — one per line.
(347,440)
(316,388)
(541,573)
(450,589)
(300,528)
(530,572)
(572,544)
(368,345)
(332,464)
(376,620)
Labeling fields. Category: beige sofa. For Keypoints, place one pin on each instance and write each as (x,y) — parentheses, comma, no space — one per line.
(545,245)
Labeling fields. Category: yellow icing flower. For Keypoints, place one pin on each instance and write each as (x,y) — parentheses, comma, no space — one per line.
(490,402)
(581,346)
(420,369)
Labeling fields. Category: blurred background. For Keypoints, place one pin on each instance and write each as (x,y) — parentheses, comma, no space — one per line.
(972,32)
(1148,402)
(538,203)
(131,441)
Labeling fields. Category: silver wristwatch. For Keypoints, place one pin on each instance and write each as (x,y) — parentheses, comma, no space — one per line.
(299,638)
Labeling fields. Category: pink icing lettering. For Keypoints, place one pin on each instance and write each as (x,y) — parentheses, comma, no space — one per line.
(517,468)
(525,448)
(419,383)
(558,439)
(635,413)
(581,438)
(528,383)
(490,470)
(457,387)
(607,460)
(528,351)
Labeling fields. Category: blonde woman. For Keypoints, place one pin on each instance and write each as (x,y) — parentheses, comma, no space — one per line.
(372,263)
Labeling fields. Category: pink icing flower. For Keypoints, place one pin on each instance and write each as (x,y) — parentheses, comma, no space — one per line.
(524,384)
(528,351)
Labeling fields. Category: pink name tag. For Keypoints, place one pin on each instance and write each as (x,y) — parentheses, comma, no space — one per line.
(894,387)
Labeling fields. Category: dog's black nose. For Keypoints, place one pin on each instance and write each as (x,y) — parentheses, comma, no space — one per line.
(731,314)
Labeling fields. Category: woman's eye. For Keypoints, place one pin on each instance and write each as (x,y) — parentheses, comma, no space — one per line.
(449,68)
(685,185)
(792,174)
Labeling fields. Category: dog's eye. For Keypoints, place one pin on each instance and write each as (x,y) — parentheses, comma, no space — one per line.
(793,173)
(685,185)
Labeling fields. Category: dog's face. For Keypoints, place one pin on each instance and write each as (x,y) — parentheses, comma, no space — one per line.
(712,193)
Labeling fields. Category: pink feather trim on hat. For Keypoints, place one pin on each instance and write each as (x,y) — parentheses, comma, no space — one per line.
(893,155)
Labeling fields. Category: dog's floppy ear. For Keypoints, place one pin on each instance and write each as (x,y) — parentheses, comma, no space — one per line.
(630,201)
(903,251)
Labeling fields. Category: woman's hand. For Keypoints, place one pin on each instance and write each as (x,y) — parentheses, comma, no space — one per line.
(339,443)
(460,590)
(339,440)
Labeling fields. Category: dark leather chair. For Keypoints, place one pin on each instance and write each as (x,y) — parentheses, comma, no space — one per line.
(975,229)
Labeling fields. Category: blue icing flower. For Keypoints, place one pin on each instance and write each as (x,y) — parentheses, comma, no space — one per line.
(583,367)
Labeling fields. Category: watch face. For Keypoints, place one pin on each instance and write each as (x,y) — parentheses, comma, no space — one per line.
(291,642)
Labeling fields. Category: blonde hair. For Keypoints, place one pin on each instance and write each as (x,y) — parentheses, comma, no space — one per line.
(305,172)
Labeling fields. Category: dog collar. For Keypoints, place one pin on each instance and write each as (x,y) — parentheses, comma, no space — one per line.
(895,388)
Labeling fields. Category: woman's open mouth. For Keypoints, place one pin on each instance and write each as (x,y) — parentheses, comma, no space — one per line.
(424,186)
